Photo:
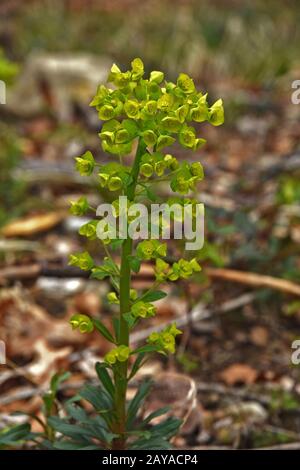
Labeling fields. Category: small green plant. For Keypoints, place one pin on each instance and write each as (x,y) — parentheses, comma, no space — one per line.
(145,115)
(17,435)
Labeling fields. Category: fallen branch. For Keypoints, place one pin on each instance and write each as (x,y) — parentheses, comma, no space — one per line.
(243,394)
(199,313)
(253,279)
(33,271)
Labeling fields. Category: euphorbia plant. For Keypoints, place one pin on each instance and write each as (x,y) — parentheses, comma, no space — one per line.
(145,115)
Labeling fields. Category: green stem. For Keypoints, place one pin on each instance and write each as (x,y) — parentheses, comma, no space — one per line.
(125,278)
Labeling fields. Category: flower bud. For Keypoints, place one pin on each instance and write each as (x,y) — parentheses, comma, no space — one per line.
(112,298)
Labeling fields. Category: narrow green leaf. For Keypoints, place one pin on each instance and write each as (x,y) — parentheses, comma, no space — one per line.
(135,263)
(130,319)
(154,295)
(76,412)
(103,330)
(155,414)
(15,434)
(136,365)
(57,379)
(146,349)
(116,326)
(154,443)
(104,378)
(98,397)
(167,428)
(137,401)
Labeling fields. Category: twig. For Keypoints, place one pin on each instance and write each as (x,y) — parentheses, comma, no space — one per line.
(289,446)
(254,279)
(243,394)
(200,312)
(32,271)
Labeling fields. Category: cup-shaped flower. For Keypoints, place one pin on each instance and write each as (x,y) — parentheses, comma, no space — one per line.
(216,113)
(82,322)
(150,249)
(79,207)
(114,183)
(197,170)
(143,309)
(132,109)
(156,76)
(89,230)
(85,164)
(186,84)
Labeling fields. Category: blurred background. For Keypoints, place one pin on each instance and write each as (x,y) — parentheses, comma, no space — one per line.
(242,314)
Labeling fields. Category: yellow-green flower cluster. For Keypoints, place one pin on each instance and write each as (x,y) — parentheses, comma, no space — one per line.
(182,269)
(114,299)
(157,163)
(117,137)
(186,177)
(113,176)
(79,207)
(153,109)
(82,260)
(151,249)
(89,229)
(143,310)
(120,354)
(165,340)
(82,322)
